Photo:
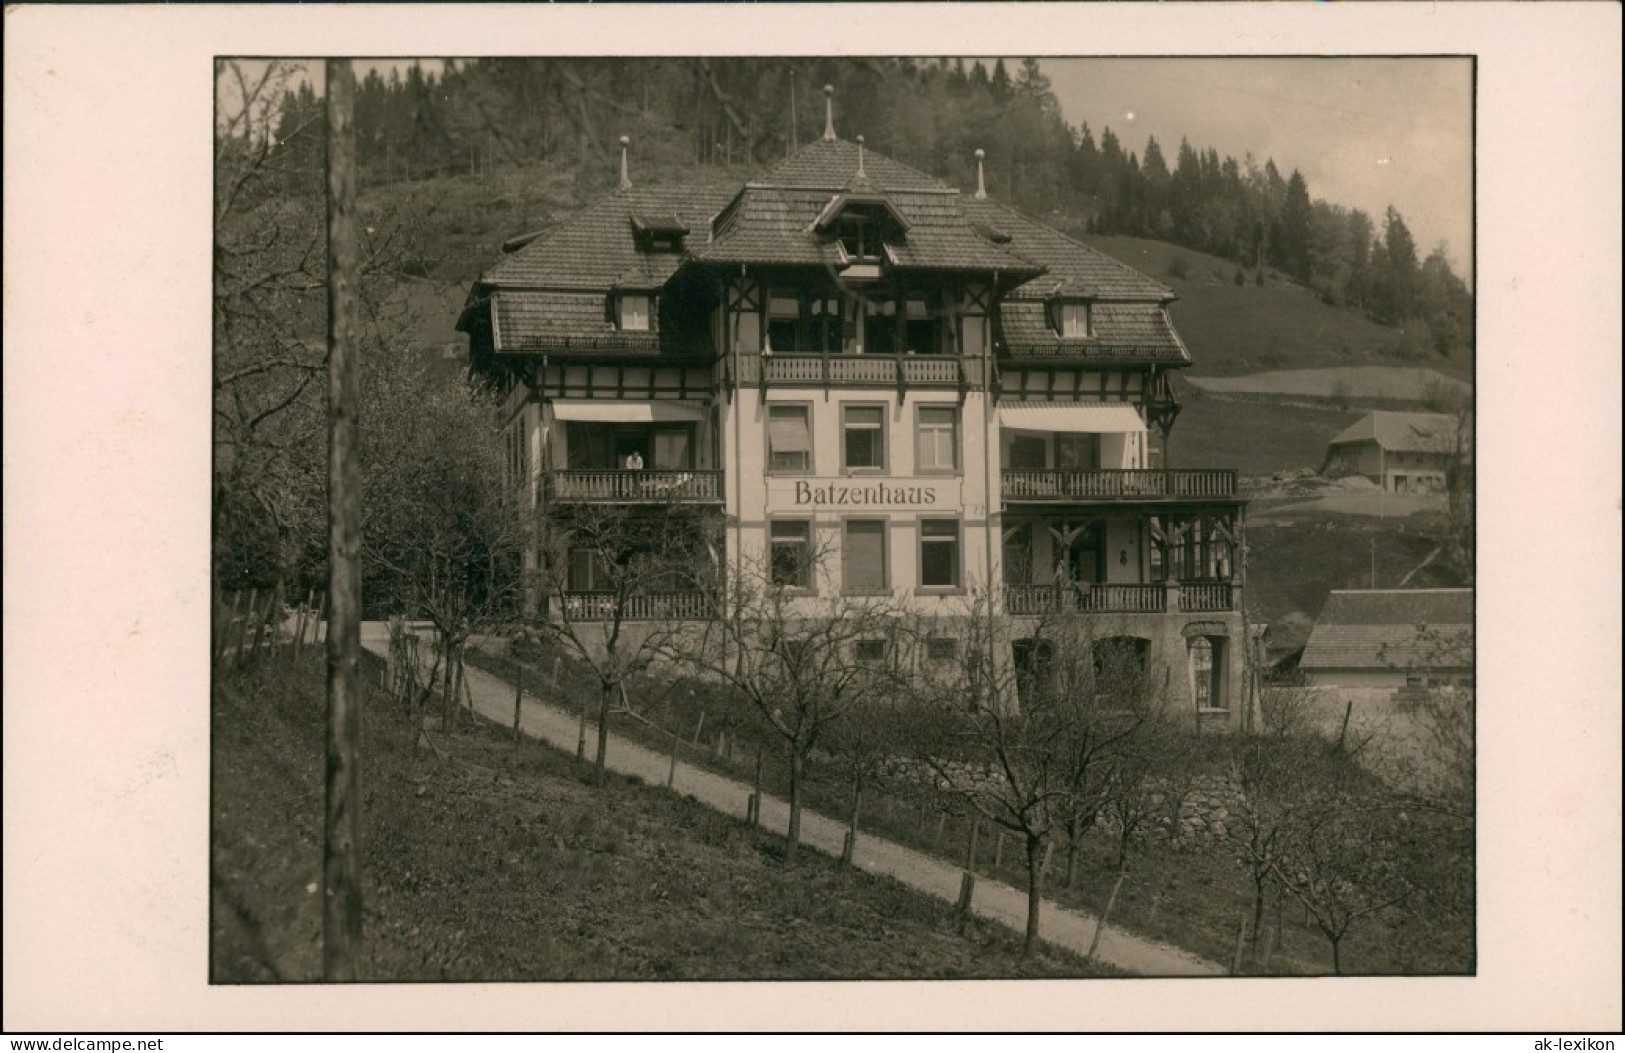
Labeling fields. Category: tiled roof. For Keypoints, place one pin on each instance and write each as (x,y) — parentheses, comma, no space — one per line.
(774,225)
(1392,629)
(1072,269)
(595,248)
(1139,332)
(1402,432)
(532,321)
(833,164)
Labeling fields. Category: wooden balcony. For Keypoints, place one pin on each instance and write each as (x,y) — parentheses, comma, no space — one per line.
(1078,598)
(653,607)
(1131,598)
(1118,484)
(634,487)
(902,371)
(1205,596)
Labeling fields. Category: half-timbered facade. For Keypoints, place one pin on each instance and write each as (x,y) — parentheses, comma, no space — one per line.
(844,356)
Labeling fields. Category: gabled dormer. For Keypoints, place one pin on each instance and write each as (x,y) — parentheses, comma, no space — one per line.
(658,233)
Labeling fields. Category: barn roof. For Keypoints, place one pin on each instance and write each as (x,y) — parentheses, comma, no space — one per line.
(1392,629)
(1399,432)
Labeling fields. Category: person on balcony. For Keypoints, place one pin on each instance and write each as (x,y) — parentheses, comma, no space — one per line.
(634,461)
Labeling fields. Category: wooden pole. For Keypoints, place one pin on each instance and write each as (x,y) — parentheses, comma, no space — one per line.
(1105,915)
(581,735)
(970,842)
(671,770)
(341,860)
(1241,945)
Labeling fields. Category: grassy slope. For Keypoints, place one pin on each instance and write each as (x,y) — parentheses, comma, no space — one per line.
(495,863)
(1190,898)
(1245,328)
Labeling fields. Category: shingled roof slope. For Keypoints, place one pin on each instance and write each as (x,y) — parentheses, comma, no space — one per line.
(1072,268)
(1392,629)
(774,225)
(595,249)
(1136,332)
(1402,432)
(833,164)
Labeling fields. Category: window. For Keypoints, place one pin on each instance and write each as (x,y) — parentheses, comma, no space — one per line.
(920,325)
(880,327)
(588,572)
(936,443)
(863,447)
(1018,555)
(789,438)
(972,335)
(1207,672)
(869,652)
(635,313)
(863,557)
(791,556)
(939,553)
(783,320)
(1028,452)
(1074,318)
(941,649)
(1077,453)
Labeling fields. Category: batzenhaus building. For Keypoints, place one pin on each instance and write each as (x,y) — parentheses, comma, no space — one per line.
(937,394)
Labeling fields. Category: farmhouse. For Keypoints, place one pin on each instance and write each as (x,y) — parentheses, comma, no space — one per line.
(1391,638)
(856,380)
(1404,453)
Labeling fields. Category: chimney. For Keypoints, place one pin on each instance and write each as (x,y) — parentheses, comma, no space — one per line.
(981,184)
(626,180)
(829,112)
(860,158)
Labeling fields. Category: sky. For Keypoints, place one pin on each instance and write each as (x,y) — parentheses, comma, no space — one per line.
(1365,133)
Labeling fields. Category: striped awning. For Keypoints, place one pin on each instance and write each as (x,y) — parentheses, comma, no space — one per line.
(1097,417)
(616,411)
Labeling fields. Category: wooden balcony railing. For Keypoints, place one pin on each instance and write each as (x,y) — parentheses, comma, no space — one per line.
(1118,484)
(654,607)
(861,370)
(1079,598)
(1205,596)
(644,486)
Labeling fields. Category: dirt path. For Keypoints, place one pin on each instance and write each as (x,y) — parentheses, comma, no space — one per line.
(994,900)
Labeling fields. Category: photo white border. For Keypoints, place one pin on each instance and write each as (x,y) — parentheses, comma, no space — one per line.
(107,440)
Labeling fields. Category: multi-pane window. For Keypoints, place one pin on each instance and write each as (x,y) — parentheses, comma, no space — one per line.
(939,553)
(941,649)
(635,313)
(791,555)
(1074,319)
(880,327)
(863,438)
(1028,452)
(863,556)
(789,438)
(936,447)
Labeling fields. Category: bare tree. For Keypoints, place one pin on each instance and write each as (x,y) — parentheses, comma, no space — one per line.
(1029,745)
(442,534)
(804,663)
(624,585)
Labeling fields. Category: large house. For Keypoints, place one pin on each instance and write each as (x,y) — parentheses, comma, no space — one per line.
(845,356)
(1405,639)
(1404,453)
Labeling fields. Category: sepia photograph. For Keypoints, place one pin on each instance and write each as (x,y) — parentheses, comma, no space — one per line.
(848,518)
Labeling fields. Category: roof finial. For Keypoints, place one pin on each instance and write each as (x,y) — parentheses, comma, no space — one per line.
(981,184)
(860,158)
(829,111)
(626,180)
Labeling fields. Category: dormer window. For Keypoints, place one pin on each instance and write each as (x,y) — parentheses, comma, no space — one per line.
(634,312)
(861,238)
(658,233)
(1071,320)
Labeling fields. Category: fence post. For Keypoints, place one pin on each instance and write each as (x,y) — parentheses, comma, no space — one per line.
(757,796)
(1100,926)
(970,842)
(671,769)
(518,696)
(998,850)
